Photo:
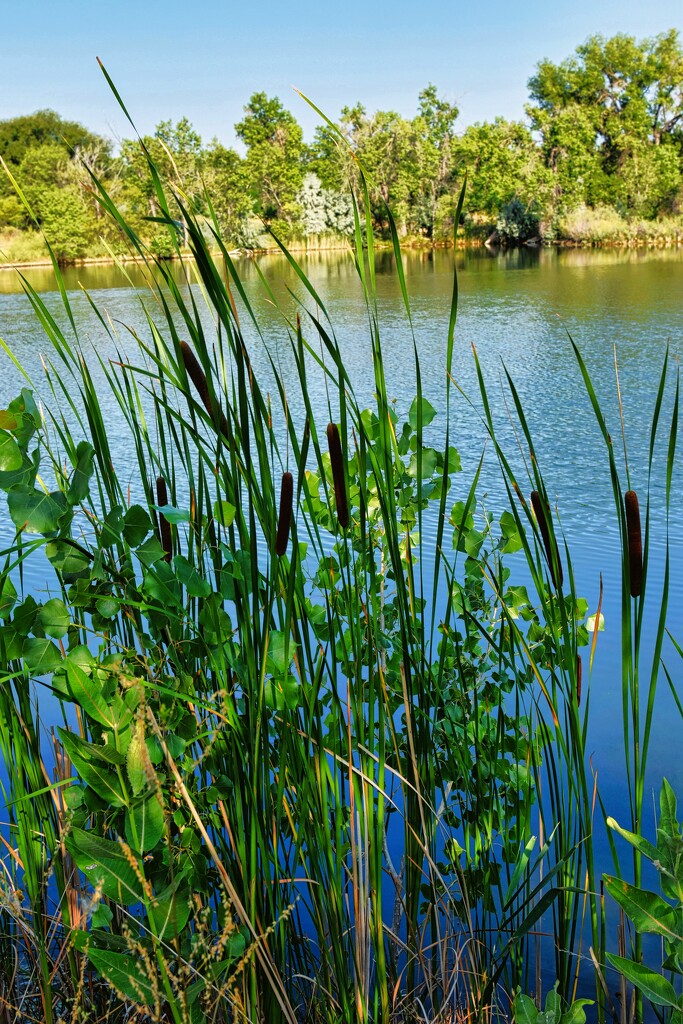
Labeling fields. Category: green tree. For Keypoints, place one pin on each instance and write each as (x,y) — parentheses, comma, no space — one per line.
(274,160)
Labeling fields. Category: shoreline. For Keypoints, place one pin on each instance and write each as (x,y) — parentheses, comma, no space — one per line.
(412,244)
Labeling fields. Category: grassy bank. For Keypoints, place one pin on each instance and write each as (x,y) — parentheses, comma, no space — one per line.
(317,762)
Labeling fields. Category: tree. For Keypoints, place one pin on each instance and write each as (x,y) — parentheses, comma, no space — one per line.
(625,97)
(274,160)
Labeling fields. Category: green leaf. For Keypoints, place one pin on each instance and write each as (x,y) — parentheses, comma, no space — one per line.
(173,515)
(428,412)
(427,465)
(126,974)
(88,763)
(224,512)
(667,804)
(8,596)
(11,457)
(35,511)
(283,692)
(107,607)
(648,911)
(524,1010)
(553,1007)
(79,485)
(576,1013)
(41,656)
(653,986)
(150,552)
(511,540)
(145,824)
(194,583)
(87,692)
(54,618)
(172,910)
(67,559)
(136,525)
(105,863)
(281,650)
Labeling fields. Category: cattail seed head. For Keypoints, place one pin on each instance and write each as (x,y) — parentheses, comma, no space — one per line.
(285,517)
(337,461)
(198,378)
(635,543)
(164,525)
(542,515)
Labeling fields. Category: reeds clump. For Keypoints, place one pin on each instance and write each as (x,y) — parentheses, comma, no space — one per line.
(542,513)
(164,525)
(198,378)
(635,543)
(285,517)
(337,461)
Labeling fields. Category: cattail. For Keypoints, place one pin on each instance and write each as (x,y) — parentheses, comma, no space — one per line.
(579,673)
(198,378)
(635,543)
(337,460)
(164,525)
(285,517)
(541,513)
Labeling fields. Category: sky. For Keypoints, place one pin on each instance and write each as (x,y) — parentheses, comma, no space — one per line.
(203,59)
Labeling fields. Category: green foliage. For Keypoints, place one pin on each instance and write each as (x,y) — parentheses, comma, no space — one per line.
(525,1010)
(655,914)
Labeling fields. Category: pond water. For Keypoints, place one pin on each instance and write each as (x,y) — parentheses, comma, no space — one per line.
(518,309)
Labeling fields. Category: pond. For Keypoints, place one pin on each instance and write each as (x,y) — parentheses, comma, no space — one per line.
(518,309)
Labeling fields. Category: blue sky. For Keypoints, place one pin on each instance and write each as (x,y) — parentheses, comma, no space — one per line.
(203,59)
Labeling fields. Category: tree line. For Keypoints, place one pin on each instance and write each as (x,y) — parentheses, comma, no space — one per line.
(601,142)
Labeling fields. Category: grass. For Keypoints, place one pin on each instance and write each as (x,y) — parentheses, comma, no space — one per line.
(316,767)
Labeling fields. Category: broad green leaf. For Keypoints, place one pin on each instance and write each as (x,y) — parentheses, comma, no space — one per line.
(150,551)
(87,692)
(173,515)
(79,485)
(648,911)
(576,1013)
(104,862)
(283,692)
(35,511)
(24,475)
(54,618)
(511,540)
(11,457)
(653,986)
(112,525)
(524,1009)
(192,580)
(668,822)
(224,512)
(427,466)
(8,596)
(100,776)
(591,623)
(126,974)
(107,607)
(67,559)
(281,650)
(172,909)
(136,525)
(428,412)
(41,656)
(553,1007)
(145,824)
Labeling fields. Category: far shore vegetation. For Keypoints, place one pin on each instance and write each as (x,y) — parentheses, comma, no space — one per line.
(597,160)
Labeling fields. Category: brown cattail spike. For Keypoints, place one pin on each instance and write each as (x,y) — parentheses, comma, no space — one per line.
(198,378)
(551,553)
(164,525)
(337,461)
(635,543)
(285,517)
(579,673)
